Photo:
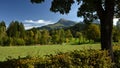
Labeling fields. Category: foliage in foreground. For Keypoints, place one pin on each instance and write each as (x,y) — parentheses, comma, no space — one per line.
(117,56)
(76,59)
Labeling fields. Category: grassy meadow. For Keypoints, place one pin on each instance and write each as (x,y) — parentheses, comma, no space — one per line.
(22,51)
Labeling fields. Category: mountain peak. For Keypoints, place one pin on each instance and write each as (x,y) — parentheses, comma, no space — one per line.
(60,24)
(62,20)
(65,21)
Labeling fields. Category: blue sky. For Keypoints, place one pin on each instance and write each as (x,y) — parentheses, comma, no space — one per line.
(32,15)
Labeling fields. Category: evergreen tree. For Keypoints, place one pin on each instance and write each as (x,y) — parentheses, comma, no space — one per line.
(61,35)
(16,31)
(68,35)
(45,37)
(3,34)
(21,30)
(79,36)
(54,36)
(29,37)
(37,35)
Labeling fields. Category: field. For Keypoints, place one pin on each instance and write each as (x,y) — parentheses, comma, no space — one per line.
(22,51)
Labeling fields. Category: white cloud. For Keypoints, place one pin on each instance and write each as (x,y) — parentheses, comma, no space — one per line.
(29,21)
(36,23)
(30,26)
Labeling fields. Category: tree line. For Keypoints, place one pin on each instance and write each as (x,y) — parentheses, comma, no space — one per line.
(15,34)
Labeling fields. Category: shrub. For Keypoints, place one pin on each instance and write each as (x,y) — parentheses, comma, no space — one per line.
(91,59)
(61,60)
(27,62)
(117,56)
(81,59)
(76,59)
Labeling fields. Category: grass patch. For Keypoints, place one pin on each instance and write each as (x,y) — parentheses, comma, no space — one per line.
(23,51)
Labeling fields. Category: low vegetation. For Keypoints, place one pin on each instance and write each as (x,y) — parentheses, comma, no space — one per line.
(22,51)
(87,58)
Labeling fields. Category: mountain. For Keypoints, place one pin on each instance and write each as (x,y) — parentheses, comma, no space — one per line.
(62,23)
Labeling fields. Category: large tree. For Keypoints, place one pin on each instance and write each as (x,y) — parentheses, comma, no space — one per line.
(16,29)
(45,37)
(3,34)
(105,10)
(92,32)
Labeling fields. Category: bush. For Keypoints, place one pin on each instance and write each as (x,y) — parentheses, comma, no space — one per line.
(117,56)
(61,60)
(76,59)
(27,62)
(90,58)
(81,59)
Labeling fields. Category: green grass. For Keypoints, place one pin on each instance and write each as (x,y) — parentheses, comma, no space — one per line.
(22,51)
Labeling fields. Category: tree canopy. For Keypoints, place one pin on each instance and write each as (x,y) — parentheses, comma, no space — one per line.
(89,9)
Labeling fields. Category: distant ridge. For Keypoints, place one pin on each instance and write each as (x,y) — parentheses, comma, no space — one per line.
(62,23)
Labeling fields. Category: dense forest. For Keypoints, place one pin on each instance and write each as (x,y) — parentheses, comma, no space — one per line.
(15,34)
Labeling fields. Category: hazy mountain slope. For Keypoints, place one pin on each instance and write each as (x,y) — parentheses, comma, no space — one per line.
(60,24)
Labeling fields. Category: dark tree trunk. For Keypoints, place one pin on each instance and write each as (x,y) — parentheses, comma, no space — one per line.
(106,35)
(106,20)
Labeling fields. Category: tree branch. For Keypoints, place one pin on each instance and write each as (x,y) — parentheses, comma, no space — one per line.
(98,7)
